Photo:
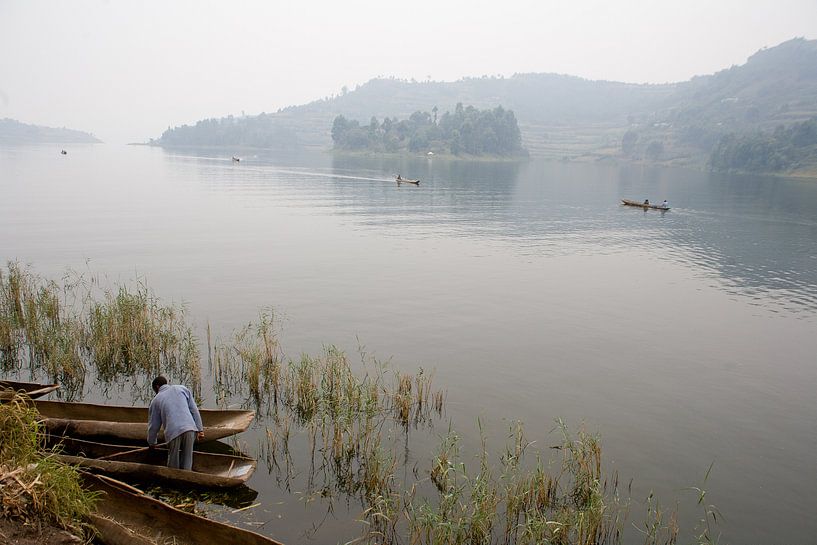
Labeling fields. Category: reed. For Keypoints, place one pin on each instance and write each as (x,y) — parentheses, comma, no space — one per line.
(355,419)
(130,333)
(35,488)
(123,335)
(37,330)
(710,514)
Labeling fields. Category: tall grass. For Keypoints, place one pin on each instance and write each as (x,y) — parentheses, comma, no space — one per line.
(124,334)
(38,330)
(35,488)
(354,418)
(130,333)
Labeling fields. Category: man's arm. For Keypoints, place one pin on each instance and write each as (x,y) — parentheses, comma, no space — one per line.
(194,411)
(154,422)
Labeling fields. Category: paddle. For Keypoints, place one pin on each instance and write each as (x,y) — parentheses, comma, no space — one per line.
(134,451)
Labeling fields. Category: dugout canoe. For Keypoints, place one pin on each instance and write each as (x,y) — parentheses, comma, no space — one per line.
(141,464)
(30,389)
(406,181)
(628,202)
(126,516)
(88,420)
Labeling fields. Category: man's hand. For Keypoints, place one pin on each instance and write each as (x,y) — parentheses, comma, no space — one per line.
(200,436)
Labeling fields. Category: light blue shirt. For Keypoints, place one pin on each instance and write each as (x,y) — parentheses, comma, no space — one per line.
(174,409)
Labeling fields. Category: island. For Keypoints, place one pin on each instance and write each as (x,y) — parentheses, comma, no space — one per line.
(468,131)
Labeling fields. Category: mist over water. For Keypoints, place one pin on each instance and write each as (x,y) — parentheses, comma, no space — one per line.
(683,337)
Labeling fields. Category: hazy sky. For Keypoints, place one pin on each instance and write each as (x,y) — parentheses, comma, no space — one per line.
(127,70)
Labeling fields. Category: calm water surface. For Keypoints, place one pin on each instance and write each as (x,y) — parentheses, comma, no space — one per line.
(683,338)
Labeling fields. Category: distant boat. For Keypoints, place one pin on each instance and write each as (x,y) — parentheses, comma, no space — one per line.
(63,152)
(401,180)
(628,202)
(236,159)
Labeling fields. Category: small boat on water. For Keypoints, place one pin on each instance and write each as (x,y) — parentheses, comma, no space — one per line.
(127,516)
(401,180)
(8,388)
(628,202)
(236,159)
(150,465)
(129,423)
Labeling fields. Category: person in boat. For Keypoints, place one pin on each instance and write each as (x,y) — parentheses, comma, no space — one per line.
(646,202)
(665,204)
(175,410)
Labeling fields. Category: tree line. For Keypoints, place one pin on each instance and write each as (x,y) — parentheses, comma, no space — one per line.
(261,131)
(466,131)
(786,148)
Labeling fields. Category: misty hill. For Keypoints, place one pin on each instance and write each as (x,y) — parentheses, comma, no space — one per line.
(776,87)
(536,99)
(564,116)
(14,132)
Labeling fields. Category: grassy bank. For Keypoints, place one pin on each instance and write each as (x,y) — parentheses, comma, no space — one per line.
(36,490)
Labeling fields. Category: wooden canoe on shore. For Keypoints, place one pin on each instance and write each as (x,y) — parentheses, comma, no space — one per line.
(129,423)
(31,389)
(628,202)
(141,464)
(406,181)
(126,516)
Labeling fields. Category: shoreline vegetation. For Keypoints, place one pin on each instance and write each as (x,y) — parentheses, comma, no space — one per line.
(467,131)
(488,158)
(39,496)
(357,422)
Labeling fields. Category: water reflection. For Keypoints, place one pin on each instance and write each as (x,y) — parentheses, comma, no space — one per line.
(754,234)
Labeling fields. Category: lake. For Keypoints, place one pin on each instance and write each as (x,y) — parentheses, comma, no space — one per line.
(684,338)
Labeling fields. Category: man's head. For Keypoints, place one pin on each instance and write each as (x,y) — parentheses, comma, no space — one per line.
(158,382)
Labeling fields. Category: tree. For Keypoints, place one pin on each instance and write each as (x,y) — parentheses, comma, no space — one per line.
(339,128)
(655,149)
(628,142)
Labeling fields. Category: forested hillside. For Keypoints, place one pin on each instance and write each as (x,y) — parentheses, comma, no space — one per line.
(14,132)
(562,116)
(785,148)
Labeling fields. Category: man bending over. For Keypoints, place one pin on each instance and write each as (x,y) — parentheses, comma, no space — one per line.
(174,409)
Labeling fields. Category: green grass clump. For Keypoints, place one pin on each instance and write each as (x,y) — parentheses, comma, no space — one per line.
(130,333)
(123,335)
(36,488)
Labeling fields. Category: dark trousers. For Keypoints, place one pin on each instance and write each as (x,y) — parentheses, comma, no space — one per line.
(180,451)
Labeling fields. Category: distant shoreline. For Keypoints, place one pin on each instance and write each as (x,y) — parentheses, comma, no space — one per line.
(444,156)
(807,174)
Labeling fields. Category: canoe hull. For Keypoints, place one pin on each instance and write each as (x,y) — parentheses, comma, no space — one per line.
(628,202)
(8,388)
(123,515)
(129,423)
(209,470)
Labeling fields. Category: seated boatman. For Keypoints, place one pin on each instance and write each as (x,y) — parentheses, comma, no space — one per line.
(174,409)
